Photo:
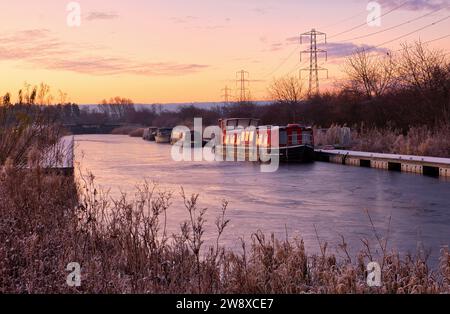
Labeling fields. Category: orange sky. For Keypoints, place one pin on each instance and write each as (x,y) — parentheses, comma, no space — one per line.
(186,51)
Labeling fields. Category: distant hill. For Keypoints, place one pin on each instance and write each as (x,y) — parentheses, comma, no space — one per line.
(176,106)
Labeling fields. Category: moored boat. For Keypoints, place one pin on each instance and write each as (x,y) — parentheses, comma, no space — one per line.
(150,134)
(194,138)
(295,143)
(163,135)
(245,140)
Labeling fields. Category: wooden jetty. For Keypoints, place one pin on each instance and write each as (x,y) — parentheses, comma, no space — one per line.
(59,158)
(430,166)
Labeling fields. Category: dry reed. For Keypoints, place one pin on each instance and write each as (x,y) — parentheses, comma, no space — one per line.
(420,141)
(123,247)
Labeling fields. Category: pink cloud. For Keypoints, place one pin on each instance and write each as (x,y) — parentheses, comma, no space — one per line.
(39,47)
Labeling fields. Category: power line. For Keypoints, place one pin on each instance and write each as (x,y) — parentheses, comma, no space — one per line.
(398,50)
(440,38)
(396,26)
(365,23)
(346,19)
(424,43)
(410,33)
(282,62)
(294,69)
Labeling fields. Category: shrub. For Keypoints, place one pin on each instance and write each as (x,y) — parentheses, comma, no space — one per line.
(137,133)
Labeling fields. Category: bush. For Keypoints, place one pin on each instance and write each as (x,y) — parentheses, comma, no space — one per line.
(137,133)
(124,130)
(420,141)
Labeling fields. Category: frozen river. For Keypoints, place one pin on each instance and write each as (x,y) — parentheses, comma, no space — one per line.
(294,200)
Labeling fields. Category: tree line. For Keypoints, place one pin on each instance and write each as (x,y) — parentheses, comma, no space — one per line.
(400,90)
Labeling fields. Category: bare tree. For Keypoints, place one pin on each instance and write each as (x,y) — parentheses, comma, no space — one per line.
(20,97)
(32,98)
(62,97)
(370,75)
(288,90)
(423,69)
(43,96)
(24,129)
(6,99)
(426,72)
(117,108)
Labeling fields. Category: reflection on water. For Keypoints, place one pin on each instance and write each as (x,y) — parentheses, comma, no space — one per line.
(291,201)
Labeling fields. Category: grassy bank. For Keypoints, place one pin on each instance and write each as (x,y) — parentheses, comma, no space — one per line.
(123,247)
(48,221)
(132,131)
(420,141)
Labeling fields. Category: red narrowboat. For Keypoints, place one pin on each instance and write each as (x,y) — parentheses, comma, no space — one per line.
(245,140)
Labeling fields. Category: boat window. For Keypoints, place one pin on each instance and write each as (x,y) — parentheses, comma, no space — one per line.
(232,123)
(258,139)
(306,137)
(244,122)
(254,123)
(251,136)
(283,138)
(266,139)
(294,138)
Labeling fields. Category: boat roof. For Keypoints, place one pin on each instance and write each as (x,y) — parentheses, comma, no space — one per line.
(233,119)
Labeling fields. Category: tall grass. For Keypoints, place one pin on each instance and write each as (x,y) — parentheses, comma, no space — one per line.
(421,141)
(132,131)
(123,246)
(137,133)
(48,221)
(25,129)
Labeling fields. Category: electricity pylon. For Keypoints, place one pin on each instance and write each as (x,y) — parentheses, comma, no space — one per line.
(243,85)
(226,95)
(314,67)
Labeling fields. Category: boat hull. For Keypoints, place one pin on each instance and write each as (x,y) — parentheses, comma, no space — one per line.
(193,144)
(162,139)
(292,154)
(150,138)
(300,153)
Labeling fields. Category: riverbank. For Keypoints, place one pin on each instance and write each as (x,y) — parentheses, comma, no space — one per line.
(123,247)
(130,244)
(293,199)
(417,141)
(133,131)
